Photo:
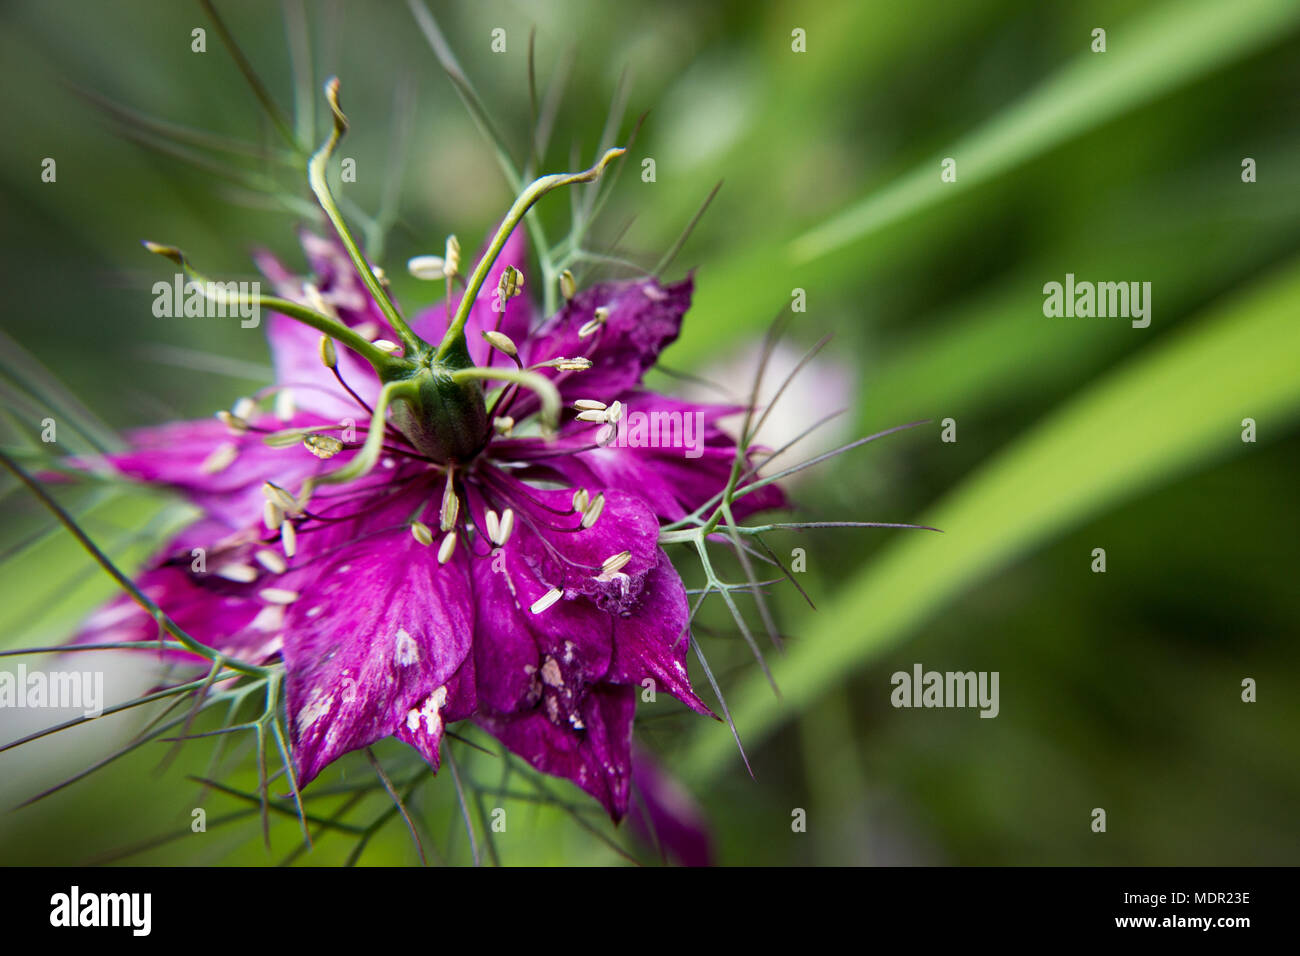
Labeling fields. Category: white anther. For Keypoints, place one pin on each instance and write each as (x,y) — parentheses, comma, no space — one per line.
(592,325)
(506,527)
(279,497)
(447,548)
(317,301)
(616,562)
(234,424)
(591,513)
(272,561)
(451,258)
(426,267)
(546,600)
(329,356)
(501,342)
(243,573)
(222,457)
(450,505)
(284,407)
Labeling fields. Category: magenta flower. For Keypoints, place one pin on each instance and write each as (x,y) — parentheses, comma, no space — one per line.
(416,557)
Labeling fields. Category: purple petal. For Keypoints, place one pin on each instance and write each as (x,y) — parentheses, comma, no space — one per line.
(221,613)
(295,354)
(589,744)
(550,548)
(376,634)
(669,452)
(218,471)
(643,318)
(568,646)
(651,642)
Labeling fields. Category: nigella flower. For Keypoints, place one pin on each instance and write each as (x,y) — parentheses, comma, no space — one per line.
(417,550)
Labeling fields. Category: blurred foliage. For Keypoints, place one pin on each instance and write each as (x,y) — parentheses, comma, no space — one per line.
(1119,690)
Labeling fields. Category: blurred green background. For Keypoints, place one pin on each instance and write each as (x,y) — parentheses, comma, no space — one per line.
(1119,690)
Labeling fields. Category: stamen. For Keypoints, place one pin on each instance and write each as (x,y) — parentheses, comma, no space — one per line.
(504,425)
(580,364)
(245,408)
(323,446)
(385,345)
(272,561)
(506,527)
(610,415)
(278,595)
(288,538)
(593,325)
(234,424)
(317,302)
(242,573)
(501,342)
(451,260)
(616,562)
(284,407)
(581,499)
(221,458)
(450,503)
(420,531)
(546,600)
(493,525)
(589,405)
(447,548)
(329,356)
(286,438)
(568,288)
(279,497)
(272,515)
(511,284)
(591,513)
(426,267)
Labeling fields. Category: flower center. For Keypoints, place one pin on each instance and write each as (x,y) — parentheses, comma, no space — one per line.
(445,419)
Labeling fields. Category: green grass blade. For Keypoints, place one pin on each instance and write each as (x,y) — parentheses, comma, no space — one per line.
(1146,59)
(1177,406)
